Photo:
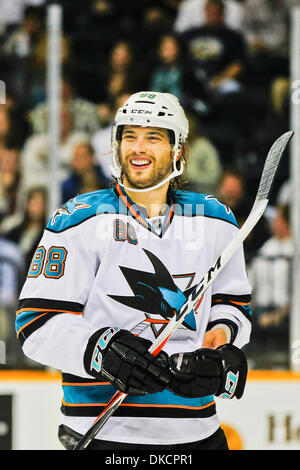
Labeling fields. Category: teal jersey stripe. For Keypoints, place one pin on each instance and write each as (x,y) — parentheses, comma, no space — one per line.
(101,394)
(85,206)
(247,309)
(25,317)
(190,204)
(28,321)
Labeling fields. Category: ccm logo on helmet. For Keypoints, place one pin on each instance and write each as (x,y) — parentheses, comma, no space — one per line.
(140,111)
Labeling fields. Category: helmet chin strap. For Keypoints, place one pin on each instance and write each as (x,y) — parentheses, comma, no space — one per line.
(144,190)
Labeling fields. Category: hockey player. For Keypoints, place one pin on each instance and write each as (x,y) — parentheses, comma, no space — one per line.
(112,268)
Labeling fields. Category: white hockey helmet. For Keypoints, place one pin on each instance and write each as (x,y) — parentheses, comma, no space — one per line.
(151,109)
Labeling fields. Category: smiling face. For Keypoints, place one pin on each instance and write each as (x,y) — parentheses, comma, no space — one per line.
(146,156)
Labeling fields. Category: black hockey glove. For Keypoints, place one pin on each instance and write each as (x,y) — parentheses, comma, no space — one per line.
(123,359)
(221,372)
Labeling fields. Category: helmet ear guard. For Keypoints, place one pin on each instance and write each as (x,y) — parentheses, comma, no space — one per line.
(151,109)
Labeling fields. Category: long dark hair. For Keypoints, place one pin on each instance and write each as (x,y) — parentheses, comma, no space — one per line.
(181,182)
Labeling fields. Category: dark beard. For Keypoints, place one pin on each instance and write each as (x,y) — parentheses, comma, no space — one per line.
(156,177)
(149,182)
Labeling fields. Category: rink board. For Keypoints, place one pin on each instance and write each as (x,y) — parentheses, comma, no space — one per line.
(266,418)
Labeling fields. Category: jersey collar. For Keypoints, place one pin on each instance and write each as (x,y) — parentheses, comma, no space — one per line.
(139,213)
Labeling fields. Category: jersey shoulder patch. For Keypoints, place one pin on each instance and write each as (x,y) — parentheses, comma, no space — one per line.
(192,204)
(81,208)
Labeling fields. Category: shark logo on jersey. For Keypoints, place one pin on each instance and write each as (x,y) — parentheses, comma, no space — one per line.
(69,208)
(155,292)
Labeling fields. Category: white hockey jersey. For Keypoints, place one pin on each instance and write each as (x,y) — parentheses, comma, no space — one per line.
(101,262)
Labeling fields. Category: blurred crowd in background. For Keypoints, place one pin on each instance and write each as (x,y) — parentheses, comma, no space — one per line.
(227,62)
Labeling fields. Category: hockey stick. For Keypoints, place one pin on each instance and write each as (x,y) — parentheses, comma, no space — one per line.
(195,297)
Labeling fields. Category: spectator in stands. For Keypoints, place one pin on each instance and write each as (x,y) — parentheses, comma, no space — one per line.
(12,12)
(191,14)
(232,191)
(18,241)
(10,134)
(18,51)
(37,90)
(156,21)
(101,140)
(105,113)
(20,41)
(28,227)
(35,159)
(5,128)
(86,175)
(266,29)
(167,76)
(84,113)
(270,277)
(10,193)
(215,62)
(11,273)
(204,168)
(11,280)
(122,74)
